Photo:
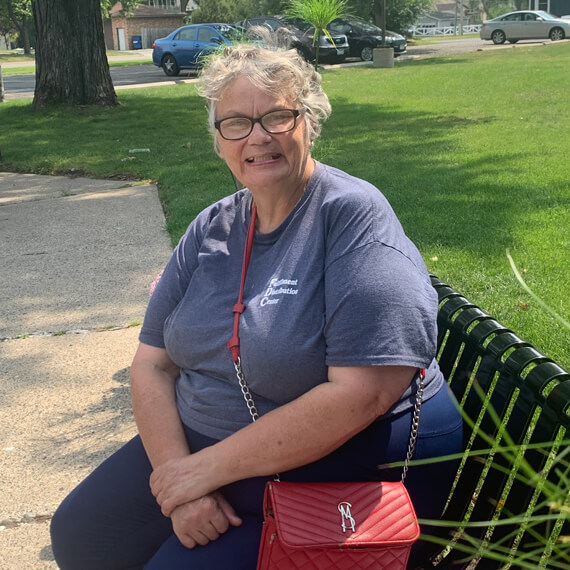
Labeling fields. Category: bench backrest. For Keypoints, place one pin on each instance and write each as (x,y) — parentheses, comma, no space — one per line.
(531,397)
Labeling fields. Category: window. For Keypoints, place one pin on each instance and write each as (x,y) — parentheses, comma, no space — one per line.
(186,35)
(206,34)
(166,4)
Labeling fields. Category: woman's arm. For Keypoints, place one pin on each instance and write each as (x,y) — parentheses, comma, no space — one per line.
(153,377)
(290,436)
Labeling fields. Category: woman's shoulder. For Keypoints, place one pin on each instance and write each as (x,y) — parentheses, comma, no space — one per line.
(228,206)
(221,213)
(340,189)
(346,199)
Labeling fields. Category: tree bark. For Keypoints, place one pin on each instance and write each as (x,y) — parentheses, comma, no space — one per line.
(71,61)
(26,37)
(377,12)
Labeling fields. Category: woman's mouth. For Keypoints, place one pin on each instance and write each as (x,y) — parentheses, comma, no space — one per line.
(262,158)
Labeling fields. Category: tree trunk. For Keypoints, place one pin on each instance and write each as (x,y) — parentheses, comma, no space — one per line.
(1,85)
(26,37)
(71,62)
(377,12)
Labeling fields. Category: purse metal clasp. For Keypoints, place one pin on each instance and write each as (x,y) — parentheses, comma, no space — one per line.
(346,517)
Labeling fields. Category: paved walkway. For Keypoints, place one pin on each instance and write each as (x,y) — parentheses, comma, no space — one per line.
(77,259)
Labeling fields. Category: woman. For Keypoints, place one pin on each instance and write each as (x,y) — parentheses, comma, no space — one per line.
(340,316)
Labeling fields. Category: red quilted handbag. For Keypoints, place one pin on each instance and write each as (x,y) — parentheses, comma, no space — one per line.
(331,526)
(344,526)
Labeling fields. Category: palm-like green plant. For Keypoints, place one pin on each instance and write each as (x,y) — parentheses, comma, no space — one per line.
(318,13)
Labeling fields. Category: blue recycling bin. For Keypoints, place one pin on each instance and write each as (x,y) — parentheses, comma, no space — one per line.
(137,42)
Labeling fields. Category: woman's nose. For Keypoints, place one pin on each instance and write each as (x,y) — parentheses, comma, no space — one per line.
(258,133)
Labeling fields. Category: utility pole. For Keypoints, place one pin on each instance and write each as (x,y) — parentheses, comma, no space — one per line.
(383,23)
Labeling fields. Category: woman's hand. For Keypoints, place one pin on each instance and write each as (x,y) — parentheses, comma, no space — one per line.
(181,480)
(203,520)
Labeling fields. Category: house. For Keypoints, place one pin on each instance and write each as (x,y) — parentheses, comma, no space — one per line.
(449,14)
(554,7)
(152,19)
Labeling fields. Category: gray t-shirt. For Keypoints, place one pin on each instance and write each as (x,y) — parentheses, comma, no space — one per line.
(337,284)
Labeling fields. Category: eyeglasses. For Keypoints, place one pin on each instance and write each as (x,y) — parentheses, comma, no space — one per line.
(274,122)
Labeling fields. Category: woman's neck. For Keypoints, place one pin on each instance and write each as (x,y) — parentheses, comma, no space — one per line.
(274,205)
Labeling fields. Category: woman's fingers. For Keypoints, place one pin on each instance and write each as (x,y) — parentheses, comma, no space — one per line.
(203,520)
(228,510)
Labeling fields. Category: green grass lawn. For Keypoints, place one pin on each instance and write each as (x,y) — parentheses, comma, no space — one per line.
(471,150)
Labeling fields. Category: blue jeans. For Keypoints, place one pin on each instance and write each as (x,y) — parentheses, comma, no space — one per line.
(111,521)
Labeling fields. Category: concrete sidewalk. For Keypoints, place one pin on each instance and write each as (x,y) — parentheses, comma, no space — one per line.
(77,259)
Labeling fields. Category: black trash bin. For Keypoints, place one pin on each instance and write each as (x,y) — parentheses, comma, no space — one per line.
(137,42)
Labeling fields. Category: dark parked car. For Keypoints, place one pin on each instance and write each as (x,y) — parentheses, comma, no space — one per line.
(184,47)
(302,37)
(363,37)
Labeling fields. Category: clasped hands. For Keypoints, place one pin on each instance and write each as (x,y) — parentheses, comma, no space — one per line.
(186,494)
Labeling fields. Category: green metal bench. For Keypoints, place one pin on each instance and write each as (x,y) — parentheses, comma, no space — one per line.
(531,397)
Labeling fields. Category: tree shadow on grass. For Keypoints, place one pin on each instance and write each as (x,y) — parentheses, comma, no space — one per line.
(410,157)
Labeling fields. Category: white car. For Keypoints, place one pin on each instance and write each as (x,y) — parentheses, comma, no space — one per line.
(525,25)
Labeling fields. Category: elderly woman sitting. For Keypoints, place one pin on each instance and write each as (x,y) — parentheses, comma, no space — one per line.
(340,317)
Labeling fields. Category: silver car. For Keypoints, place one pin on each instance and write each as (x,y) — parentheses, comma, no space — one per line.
(525,25)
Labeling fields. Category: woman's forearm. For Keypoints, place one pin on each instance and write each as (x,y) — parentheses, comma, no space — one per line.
(298,433)
(156,415)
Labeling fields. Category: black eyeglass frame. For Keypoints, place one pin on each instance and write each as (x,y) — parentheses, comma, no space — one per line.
(253,120)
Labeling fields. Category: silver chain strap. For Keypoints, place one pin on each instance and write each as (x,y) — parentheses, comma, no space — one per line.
(250,403)
(415,425)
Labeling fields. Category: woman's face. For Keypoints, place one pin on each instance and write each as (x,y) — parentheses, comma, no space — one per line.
(264,162)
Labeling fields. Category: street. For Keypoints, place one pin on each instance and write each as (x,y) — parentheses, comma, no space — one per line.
(145,75)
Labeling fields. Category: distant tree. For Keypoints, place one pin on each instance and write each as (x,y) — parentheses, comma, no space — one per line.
(230,11)
(227,11)
(318,13)
(272,6)
(7,28)
(129,6)
(18,13)
(360,8)
(71,61)
(400,14)
(494,8)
